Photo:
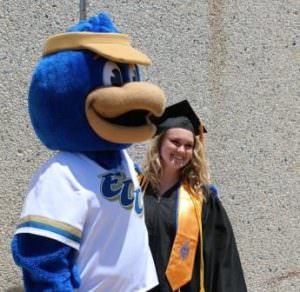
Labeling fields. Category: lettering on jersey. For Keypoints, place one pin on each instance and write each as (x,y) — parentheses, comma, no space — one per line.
(116,186)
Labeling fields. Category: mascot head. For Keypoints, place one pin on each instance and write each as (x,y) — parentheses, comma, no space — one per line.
(86,93)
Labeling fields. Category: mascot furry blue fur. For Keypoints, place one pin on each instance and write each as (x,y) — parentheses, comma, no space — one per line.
(82,223)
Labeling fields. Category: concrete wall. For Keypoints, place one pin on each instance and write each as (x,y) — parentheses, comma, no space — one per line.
(237,62)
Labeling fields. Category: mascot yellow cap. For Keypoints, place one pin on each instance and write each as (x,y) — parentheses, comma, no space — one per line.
(113,46)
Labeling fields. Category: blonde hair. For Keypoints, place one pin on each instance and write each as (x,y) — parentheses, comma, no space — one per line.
(194,175)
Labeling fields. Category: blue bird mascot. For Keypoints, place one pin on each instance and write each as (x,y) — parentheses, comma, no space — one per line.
(82,226)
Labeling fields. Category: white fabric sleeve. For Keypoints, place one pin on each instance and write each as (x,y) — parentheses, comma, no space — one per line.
(55,206)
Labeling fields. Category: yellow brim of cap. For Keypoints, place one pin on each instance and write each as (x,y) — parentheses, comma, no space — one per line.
(112,46)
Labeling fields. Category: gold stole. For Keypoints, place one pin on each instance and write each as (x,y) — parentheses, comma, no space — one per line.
(189,230)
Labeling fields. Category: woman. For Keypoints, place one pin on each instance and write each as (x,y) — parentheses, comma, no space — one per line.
(190,235)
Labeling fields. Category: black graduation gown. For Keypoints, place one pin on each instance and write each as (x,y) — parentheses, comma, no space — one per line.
(222,267)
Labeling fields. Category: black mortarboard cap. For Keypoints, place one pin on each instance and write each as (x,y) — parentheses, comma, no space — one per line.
(178,115)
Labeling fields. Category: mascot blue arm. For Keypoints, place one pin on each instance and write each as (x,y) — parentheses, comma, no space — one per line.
(68,115)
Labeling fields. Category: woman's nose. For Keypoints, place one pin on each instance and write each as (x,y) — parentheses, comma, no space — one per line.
(181,148)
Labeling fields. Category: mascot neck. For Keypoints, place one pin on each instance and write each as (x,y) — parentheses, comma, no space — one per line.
(107,159)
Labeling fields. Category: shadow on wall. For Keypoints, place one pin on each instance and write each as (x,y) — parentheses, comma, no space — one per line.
(15,289)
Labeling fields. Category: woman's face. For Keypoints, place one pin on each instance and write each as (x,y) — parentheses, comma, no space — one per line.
(176,150)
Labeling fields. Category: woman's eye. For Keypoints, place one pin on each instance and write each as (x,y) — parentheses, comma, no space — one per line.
(112,75)
(133,73)
(175,142)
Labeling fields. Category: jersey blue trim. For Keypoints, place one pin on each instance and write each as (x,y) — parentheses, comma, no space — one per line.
(50,228)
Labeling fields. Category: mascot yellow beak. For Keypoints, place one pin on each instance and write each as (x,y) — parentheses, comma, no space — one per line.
(120,114)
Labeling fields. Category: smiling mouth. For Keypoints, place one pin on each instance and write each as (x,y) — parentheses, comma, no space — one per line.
(133,118)
(177,158)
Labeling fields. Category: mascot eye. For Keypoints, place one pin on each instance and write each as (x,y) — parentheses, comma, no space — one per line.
(112,74)
(134,73)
